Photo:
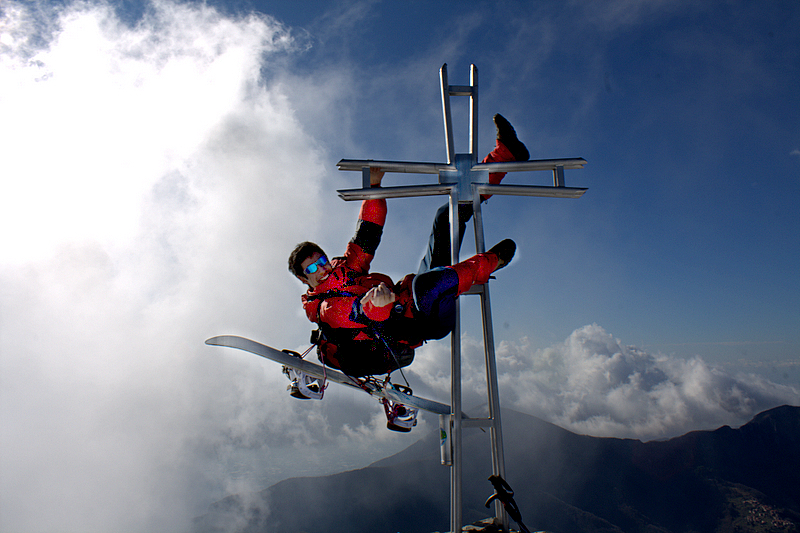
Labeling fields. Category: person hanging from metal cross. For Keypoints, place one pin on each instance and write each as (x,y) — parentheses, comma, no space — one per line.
(369,325)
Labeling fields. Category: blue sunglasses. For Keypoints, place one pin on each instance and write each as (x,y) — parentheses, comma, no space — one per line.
(313,267)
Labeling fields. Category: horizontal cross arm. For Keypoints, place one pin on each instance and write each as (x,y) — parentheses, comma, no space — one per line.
(535,164)
(443,189)
(409,167)
(406,191)
(531,190)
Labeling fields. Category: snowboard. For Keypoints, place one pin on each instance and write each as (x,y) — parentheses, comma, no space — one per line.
(372,387)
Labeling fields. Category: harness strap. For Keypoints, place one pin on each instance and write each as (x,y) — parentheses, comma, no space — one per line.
(391,351)
(329,294)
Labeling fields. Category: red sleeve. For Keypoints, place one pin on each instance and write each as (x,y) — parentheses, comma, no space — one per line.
(373,211)
(377,314)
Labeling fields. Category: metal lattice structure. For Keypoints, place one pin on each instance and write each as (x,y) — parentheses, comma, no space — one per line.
(464,180)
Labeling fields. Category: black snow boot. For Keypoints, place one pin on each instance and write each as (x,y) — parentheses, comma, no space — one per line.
(504,250)
(507,136)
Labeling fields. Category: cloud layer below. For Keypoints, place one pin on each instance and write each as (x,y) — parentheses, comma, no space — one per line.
(594,384)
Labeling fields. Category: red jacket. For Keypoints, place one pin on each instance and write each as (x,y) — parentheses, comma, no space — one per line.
(360,335)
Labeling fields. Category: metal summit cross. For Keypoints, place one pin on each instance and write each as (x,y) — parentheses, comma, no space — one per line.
(463,179)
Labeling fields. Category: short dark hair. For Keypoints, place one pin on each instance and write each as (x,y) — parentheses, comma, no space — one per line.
(301,252)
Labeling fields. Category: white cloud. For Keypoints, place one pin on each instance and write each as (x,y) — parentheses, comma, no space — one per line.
(593,384)
(148,177)
(94,120)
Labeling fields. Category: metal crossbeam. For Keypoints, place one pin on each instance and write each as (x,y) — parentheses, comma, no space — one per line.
(410,167)
(408,191)
(464,180)
(394,166)
(434,168)
(395,192)
(536,164)
(531,190)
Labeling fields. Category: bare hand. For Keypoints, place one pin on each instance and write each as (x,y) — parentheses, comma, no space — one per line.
(375,176)
(380,296)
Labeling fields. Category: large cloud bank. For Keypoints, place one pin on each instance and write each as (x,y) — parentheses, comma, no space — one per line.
(146,171)
(594,384)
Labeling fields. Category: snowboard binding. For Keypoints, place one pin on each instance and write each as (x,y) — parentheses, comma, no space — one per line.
(400,417)
(303,386)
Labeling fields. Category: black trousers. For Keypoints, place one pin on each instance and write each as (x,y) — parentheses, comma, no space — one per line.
(438,253)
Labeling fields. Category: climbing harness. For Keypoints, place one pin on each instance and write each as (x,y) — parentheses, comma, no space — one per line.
(399,417)
(504,493)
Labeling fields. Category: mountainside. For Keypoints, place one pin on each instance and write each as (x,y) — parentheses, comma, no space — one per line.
(727,480)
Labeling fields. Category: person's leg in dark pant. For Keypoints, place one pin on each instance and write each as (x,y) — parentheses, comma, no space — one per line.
(507,148)
(438,253)
(436,291)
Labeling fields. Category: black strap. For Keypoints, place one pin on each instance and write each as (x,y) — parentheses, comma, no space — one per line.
(504,493)
(329,294)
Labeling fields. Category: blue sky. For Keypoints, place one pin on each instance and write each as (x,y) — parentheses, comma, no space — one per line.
(161,159)
(688,117)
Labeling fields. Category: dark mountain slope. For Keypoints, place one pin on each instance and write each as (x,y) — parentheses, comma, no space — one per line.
(705,481)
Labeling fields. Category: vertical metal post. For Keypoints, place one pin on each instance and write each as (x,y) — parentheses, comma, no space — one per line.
(496,428)
(558,176)
(455,385)
(464,191)
(473,113)
(448,120)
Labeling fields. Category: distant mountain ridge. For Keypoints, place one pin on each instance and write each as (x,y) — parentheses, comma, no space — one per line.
(721,481)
